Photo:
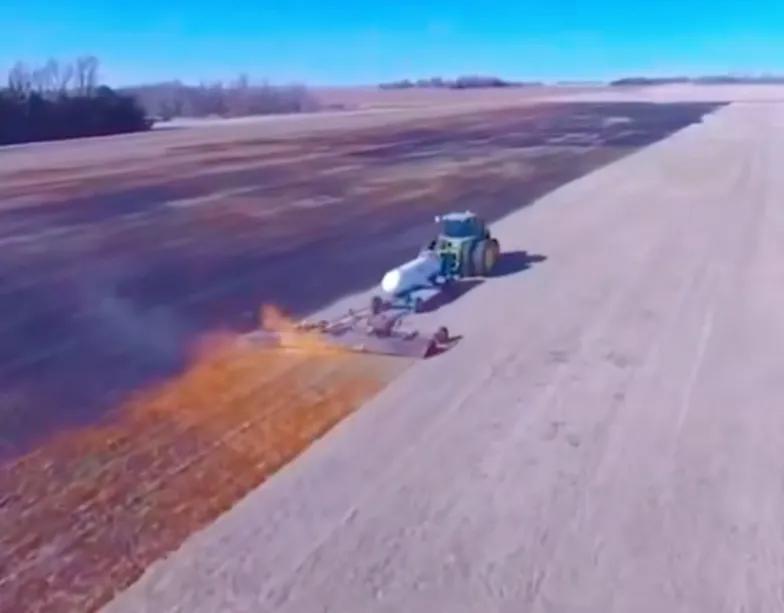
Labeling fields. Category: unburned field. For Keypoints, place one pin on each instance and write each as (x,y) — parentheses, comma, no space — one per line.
(119,431)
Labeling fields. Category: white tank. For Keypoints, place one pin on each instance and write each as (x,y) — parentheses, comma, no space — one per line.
(417,273)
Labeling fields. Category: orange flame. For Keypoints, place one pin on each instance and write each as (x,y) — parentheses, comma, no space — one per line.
(293,336)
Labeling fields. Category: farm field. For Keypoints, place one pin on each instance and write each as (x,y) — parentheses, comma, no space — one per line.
(605,437)
(123,260)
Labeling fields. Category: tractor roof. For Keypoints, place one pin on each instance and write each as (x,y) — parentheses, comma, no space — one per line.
(464,216)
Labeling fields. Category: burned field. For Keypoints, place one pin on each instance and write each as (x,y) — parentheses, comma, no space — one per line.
(105,282)
(111,277)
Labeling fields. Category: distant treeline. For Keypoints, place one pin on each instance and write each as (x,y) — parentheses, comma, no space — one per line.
(706,80)
(464,82)
(59,101)
(165,101)
(65,100)
(34,117)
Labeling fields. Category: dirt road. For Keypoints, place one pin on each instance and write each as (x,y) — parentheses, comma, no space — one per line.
(606,437)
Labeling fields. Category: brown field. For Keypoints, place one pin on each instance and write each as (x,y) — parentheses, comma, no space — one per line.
(377,98)
(119,256)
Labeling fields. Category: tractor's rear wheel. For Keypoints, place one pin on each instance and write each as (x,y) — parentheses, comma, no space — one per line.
(492,254)
(478,257)
(485,256)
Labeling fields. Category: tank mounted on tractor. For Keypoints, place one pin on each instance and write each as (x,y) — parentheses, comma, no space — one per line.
(463,248)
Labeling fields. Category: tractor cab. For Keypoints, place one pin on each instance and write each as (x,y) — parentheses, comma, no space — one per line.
(464,245)
(459,226)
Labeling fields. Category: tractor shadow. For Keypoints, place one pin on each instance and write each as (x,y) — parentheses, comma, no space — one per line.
(456,290)
(512,262)
(509,263)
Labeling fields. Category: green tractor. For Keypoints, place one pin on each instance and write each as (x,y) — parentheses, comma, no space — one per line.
(465,246)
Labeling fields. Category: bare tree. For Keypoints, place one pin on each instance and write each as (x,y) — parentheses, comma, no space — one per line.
(92,74)
(86,71)
(80,74)
(242,82)
(38,80)
(52,72)
(45,80)
(239,96)
(35,80)
(19,79)
(64,78)
(53,78)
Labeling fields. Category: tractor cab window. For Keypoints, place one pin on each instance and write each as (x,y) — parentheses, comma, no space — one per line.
(460,228)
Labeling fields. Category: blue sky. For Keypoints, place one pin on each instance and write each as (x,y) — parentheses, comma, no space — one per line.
(353,42)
